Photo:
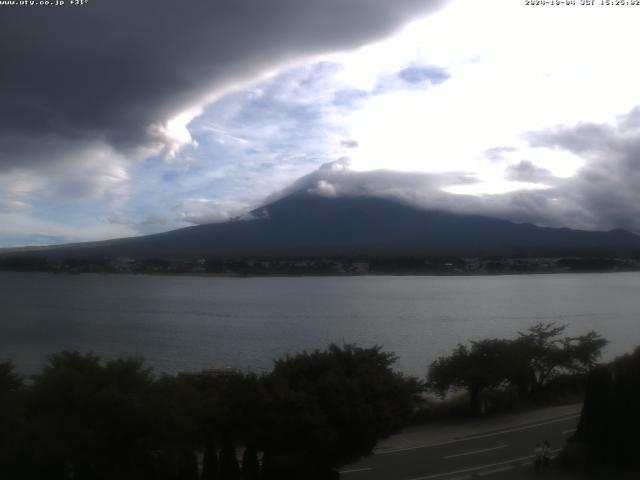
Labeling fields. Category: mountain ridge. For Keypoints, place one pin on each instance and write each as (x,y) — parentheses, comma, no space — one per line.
(305,224)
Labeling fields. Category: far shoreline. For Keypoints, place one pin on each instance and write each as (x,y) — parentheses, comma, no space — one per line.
(326,275)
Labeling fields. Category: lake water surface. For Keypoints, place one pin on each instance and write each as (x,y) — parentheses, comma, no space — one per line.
(190,323)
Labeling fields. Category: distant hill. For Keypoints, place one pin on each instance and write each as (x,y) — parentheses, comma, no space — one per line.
(302,224)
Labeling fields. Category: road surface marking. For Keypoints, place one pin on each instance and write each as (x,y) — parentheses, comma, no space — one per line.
(484,435)
(406,449)
(517,429)
(567,432)
(495,470)
(355,470)
(475,451)
(473,469)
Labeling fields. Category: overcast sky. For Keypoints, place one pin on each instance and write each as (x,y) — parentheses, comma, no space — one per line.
(124,117)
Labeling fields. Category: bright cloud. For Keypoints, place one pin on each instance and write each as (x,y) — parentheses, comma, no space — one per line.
(512,69)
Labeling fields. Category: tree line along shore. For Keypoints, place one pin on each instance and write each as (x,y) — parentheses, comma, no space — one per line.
(313,265)
(84,417)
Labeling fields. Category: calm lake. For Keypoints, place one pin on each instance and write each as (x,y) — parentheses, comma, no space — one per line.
(189,323)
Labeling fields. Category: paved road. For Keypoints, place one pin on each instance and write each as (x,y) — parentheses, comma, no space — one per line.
(501,455)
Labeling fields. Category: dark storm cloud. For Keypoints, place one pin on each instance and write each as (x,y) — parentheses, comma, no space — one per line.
(526,171)
(604,193)
(428,190)
(109,71)
(580,139)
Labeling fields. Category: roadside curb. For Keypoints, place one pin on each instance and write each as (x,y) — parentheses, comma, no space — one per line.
(517,427)
(443,433)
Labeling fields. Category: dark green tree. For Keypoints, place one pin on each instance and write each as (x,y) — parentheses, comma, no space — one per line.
(624,422)
(231,417)
(527,363)
(473,369)
(330,408)
(543,353)
(250,463)
(610,420)
(594,426)
(174,403)
(209,458)
(12,441)
(91,420)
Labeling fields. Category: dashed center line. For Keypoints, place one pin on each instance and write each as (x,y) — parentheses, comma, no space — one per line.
(456,455)
(506,463)
(473,469)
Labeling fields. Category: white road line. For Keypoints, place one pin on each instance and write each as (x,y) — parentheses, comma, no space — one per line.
(406,449)
(355,470)
(507,465)
(473,469)
(517,429)
(485,435)
(567,432)
(474,452)
(495,470)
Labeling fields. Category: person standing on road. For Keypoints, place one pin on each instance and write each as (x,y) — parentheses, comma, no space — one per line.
(538,459)
(546,453)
